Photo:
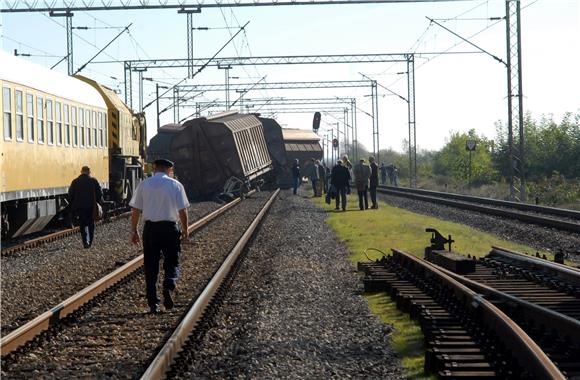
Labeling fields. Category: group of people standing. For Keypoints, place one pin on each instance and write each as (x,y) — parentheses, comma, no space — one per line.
(336,182)
(391,172)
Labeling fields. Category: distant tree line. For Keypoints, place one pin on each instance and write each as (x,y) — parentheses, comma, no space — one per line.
(552,160)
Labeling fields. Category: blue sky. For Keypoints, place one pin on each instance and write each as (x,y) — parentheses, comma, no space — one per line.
(453,92)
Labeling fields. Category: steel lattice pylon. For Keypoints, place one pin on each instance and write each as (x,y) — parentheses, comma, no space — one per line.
(411,118)
(515,101)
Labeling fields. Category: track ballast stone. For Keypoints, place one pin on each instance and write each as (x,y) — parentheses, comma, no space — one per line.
(115,337)
(39,278)
(294,310)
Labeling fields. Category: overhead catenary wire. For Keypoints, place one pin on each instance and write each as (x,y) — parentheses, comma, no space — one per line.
(198,70)
(100,51)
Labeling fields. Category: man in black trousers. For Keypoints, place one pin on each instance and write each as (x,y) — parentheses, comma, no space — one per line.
(162,201)
(339,178)
(83,194)
(374,182)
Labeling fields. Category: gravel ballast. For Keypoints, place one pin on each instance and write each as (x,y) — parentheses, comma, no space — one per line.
(541,238)
(294,310)
(116,337)
(39,278)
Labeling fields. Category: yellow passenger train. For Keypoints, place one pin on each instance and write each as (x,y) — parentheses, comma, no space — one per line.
(52,125)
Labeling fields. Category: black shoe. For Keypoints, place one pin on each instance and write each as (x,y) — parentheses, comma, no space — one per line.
(167,300)
(336,209)
(154,309)
(86,245)
(344,209)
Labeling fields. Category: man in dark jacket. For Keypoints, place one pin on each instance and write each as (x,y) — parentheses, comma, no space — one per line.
(339,178)
(321,179)
(83,194)
(296,177)
(374,182)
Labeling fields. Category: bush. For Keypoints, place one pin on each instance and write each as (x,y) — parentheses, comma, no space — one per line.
(556,190)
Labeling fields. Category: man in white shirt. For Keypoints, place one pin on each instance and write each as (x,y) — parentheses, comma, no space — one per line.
(162,201)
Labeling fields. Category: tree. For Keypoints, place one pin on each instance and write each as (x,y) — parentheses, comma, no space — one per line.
(453,159)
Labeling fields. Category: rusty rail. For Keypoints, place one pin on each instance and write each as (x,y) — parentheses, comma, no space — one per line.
(570,274)
(43,322)
(527,352)
(164,358)
(523,217)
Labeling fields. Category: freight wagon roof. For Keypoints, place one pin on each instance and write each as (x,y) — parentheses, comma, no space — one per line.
(238,122)
(299,135)
(25,73)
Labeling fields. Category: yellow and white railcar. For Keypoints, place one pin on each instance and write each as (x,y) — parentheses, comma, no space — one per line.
(52,125)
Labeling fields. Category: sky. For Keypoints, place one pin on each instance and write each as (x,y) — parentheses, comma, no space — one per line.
(454,92)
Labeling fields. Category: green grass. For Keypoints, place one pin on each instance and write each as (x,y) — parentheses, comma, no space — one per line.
(391,227)
(407,338)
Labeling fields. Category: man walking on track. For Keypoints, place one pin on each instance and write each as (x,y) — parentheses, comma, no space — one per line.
(162,201)
(83,195)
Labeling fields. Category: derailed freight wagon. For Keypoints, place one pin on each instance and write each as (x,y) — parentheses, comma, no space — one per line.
(222,153)
(300,144)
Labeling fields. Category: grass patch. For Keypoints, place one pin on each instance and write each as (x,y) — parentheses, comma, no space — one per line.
(407,338)
(391,227)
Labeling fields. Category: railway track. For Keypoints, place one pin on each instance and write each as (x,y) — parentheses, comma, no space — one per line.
(540,299)
(107,325)
(40,240)
(568,220)
(41,323)
(162,363)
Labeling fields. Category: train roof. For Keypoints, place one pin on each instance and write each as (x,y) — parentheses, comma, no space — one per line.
(106,93)
(22,72)
(291,134)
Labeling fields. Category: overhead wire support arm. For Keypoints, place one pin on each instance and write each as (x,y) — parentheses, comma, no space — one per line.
(48,6)
(100,51)
(388,89)
(201,68)
(248,90)
(469,42)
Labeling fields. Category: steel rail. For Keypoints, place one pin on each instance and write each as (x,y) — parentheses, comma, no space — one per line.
(33,328)
(566,272)
(573,214)
(540,314)
(534,219)
(54,236)
(164,358)
(528,353)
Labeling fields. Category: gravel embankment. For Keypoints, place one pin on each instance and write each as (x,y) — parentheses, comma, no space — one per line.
(35,280)
(294,310)
(535,236)
(116,337)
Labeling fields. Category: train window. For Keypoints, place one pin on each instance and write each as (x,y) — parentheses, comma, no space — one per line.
(7,107)
(88,126)
(95,130)
(19,116)
(101,127)
(40,118)
(30,116)
(49,122)
(106,128)
(82,126)
(75,131)
(58,123)
(66,125)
